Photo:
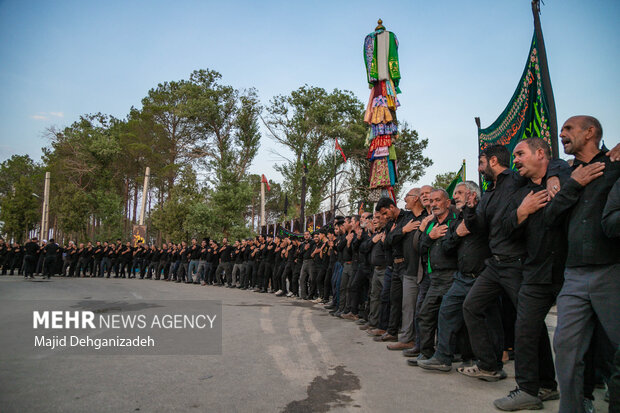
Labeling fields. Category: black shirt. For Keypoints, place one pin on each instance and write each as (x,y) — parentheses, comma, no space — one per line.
(471,250)
(345,252)
(438,259)
(98,253)
(611,213)
(488,215)
(394,237)
(580,209)
(226,253)
(377,254)
(31,248)
(194,252)
(307,253)
(51,250)
(546,246)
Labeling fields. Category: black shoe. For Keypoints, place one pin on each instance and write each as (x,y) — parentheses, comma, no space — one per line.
(412,352)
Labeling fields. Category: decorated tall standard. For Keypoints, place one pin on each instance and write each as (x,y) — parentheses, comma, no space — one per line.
(383,76)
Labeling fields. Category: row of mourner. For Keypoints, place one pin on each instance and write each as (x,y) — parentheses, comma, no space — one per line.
(467,280)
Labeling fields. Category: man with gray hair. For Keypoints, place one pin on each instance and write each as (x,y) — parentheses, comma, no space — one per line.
(440,269)
(471,251)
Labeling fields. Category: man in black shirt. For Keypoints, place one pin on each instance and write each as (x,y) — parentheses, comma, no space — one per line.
(83,259)
(106,259)
(542,277)
(50,251)
(504,269)
(194,262)
(126,255)
(97,255)
(441,266)
(224,270)
(379,264)
(413,279)
(358,289)
(399,223)
(307,267)
(471,251)
(591,283)
(30,252)
(71,260)
(202,261)
(116,257)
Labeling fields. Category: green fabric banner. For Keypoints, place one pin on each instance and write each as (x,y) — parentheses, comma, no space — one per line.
(526,115)
(460,177)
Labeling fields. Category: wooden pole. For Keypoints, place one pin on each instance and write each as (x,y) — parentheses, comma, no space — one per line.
(145,190)
(46,208)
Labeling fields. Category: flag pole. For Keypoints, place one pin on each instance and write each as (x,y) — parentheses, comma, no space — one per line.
(262,204)
(334,184)
(464,167)
(546,79)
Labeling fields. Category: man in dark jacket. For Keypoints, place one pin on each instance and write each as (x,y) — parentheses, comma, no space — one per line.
(591,284)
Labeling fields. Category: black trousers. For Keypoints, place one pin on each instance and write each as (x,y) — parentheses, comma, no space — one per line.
(49,265)
(30,262)
(533,358)
(327,282)
(359,288)
(496,277)
(396,298)
(287,274)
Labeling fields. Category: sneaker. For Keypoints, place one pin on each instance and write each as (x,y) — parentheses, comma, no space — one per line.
(289,294)
(588,406)
(518,400)
(548,394)
(434,364)
(279,293)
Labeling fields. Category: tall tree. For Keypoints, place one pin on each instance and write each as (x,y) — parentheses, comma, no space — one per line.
(21,190)
(306,123)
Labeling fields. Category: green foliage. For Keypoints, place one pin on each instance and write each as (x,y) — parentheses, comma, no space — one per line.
(21,193)
(443,180)
(170,216)
(188,128)
(307,122)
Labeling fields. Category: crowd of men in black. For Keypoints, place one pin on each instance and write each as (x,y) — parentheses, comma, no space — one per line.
(443,280)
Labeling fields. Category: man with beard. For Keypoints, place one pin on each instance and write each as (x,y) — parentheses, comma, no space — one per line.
(542,278)
(591,284)
(503,272)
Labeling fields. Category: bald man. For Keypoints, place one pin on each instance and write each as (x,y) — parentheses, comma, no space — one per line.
(591,288)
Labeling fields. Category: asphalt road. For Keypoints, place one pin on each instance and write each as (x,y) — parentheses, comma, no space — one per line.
(278,355)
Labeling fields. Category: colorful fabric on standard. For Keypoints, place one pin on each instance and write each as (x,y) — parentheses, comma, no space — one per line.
(381,58)
(383,75)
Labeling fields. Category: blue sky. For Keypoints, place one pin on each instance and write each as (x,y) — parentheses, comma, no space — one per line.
(459,59)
